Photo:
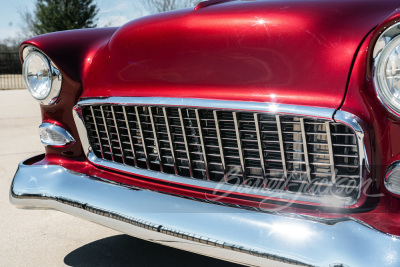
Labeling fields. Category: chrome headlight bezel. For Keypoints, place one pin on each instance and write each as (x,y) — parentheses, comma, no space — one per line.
(385,44)
(55,81)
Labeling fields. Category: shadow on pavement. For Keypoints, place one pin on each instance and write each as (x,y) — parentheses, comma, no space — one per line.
(124,250)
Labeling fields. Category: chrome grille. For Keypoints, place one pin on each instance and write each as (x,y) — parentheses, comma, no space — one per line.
(259,150)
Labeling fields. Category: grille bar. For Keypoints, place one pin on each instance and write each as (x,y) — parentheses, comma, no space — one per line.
(266,151)
(260,148)
(203,147)
(220,145)
(239,144)
(156,142)
(171,144)
(128,128)
(305,148)
(282,145)
(118,135)
(186,142)
(330,148)
(108,135)
(97,132)
(142,137)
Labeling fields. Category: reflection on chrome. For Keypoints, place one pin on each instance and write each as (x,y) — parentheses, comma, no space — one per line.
(391,257)
(244,236)
(291,231)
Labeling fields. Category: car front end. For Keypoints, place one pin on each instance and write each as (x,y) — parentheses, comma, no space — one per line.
(259,132)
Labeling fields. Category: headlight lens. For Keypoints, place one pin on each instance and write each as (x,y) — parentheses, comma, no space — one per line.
(387,75)
(37,75)
(41,77)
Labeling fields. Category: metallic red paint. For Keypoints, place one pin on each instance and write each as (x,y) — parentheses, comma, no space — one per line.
(382,126)
(292,52)
(72,51)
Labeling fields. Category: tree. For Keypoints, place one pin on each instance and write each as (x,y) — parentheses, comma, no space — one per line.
(157,6)
(60,15)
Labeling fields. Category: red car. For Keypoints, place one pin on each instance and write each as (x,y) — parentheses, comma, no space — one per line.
(259,132)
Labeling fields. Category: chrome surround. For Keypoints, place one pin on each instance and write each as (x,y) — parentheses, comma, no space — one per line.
(356,124)
(391,34)
(56,83)
(393,168)
(68,137)
(241,236)
(351,120)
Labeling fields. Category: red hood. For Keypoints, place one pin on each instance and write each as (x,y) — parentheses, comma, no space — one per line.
(292,52)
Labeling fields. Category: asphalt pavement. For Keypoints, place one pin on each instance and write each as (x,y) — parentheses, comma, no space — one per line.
(52,238)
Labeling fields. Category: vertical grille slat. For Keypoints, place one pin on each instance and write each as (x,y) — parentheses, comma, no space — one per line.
(305,149)
(260,148)
(128,128)
(142,137)
(267,151)
(220,145)
(118,135)
(156,141)
(330,149)
(171,144)
(186,142)
(282,146)
(202,143)
(239,145)
(108,135)
(97,132)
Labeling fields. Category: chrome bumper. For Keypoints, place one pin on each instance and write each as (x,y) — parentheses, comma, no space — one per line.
(247,237)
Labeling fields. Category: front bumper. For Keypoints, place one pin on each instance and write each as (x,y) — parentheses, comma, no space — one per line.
(247,237)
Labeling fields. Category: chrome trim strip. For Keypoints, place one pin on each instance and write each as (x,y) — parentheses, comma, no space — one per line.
(186,142)
(242,236)
(305,149)
(355,123)
(118,135)
(239,143)
(156,142)
(316,112)
(203,147)
(349,119)
(330,149)
(108,135)
(282,145)
(128,128)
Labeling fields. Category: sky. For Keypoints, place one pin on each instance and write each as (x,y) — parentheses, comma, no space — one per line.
(112,13)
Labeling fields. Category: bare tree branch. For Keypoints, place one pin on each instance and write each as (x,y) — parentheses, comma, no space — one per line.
(26,23)
(146,7)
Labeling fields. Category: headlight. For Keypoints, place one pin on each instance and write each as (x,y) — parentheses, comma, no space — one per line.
(387,68)
(42,79)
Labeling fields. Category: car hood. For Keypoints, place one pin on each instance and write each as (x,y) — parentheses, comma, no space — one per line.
(290,52)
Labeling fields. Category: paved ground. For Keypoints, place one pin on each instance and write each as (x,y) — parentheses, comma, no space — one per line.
(51,238)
